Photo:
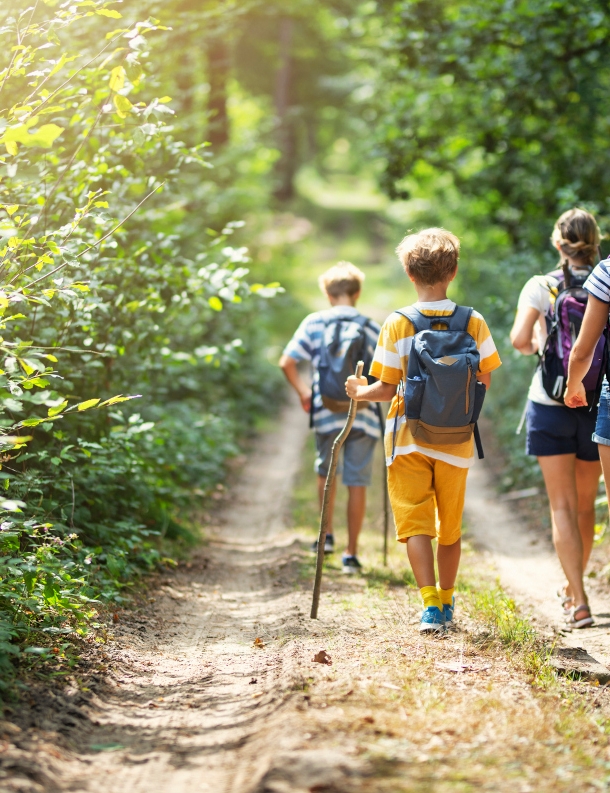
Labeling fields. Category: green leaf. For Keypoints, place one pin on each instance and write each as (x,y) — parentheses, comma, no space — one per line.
(16,441)
(89,403)
(123,106)
(108,12)
(11,505)
(117,78)
(116,399)
(26,365)
(29,579)
(31,422)
(58,409)
(215,303)
(44,136)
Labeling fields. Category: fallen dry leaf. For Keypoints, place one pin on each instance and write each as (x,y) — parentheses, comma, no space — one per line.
(323,658)
(258,642)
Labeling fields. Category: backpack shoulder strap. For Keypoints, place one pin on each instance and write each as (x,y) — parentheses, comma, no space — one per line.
(361,320)
(460,318)
(416,318)
(558,277)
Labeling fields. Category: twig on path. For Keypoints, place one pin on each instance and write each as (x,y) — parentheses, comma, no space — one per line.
(330,478)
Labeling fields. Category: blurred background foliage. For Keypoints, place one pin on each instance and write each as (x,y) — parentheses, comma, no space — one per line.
(175,175)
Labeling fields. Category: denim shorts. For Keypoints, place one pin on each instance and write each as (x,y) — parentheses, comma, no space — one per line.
(356,460)
(602,427)
(561,430)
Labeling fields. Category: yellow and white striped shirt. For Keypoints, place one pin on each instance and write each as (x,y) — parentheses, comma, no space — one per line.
(390,366)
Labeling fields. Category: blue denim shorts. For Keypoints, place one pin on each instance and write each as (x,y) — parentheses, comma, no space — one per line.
(562,430)
(602,426)
(356,460)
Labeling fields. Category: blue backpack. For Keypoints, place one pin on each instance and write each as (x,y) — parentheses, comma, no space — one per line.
(442,397)
(344,343)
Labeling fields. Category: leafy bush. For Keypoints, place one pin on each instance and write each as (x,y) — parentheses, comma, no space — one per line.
(101,303)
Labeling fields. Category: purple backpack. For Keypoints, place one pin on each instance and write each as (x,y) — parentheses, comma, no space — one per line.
(564,321)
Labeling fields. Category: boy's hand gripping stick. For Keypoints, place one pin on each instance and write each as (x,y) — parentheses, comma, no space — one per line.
(330,478)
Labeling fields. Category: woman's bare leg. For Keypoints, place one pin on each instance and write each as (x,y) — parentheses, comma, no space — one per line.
(559,472)
(587,482)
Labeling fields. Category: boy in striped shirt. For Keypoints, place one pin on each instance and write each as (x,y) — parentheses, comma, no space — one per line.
(342,285)
(427,483)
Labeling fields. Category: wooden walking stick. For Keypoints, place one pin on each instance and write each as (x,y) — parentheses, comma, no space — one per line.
(330,478)
(386,514)
(386,495)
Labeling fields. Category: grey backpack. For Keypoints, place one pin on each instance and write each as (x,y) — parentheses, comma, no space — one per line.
(442,397)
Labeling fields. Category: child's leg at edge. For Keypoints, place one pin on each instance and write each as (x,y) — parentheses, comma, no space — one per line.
(411,489)
(356,507)
(450,489)
(421,557)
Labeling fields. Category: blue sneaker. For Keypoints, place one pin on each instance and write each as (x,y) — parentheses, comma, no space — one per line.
(432,619)
(448,613)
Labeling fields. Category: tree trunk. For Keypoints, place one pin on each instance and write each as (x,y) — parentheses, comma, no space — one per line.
(286,166)
(219,64)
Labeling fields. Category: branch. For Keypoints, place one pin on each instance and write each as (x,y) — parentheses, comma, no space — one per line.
(99,242)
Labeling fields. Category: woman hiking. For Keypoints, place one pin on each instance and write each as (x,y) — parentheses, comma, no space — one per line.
(594,323)
(559,436)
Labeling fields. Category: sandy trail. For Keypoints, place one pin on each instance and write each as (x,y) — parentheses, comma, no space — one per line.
(181,699)
(192,704)
(528,566)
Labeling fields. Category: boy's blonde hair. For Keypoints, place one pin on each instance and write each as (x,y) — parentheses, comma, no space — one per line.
(342,279)
(430,256)
(577,234)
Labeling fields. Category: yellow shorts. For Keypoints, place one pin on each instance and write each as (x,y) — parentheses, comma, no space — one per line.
(427,497)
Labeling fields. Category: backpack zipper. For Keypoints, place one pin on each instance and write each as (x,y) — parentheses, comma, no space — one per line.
(468,379)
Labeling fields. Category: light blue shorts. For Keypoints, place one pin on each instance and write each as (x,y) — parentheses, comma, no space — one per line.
(355,461)
(602,426)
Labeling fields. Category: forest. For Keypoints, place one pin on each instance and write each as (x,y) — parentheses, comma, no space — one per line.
(173,175)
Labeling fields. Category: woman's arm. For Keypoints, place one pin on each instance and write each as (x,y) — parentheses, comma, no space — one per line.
(593,324)
(358,388)
(522,333)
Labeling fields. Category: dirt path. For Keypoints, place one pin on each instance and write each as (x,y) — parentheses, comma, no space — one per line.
(192,703)
(528,566)
(213,684)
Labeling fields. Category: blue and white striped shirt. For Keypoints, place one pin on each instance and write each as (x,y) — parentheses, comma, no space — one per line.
(305,345)
(598,283)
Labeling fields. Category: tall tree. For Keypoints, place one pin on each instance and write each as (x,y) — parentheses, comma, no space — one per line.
(219,64)
(510,98)
(286,131)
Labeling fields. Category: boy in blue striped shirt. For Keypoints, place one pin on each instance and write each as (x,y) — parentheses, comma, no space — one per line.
(342,285)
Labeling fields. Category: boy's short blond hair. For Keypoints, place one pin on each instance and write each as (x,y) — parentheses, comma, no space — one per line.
(430,256)
(342,279)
